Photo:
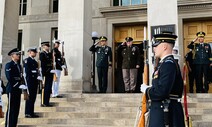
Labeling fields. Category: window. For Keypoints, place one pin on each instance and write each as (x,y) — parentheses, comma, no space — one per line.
(54,35)
(20,34)
(23,7)
(128,2)
(54,6)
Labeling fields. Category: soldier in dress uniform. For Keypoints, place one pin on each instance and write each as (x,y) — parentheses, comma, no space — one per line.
(58,63)
(104,60)
(202,59)
(14,76)
(130,63)
(46,68)
(190,66)
(167,85)
(31,71)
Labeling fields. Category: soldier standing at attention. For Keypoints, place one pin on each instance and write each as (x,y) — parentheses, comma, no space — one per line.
(13,75)
(167,85)
(130,64)
(31,71)
(58,68)
(190,66)
(202,59)
(46,67)
(104,59)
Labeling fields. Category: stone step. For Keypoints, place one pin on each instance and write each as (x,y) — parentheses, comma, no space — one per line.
(201,123)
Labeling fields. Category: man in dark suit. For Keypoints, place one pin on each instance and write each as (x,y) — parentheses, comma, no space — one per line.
(31,73)
(13,75)
(104,59)
(167,85)
(202,60)
(46,67)
(130,63)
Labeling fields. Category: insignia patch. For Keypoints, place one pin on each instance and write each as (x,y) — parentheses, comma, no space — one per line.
(8,69)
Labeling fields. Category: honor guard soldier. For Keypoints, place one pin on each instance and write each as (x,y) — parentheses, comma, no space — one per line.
(46,68)
(104,59)
(58,66)
(14,76)
(202,59)
(130,63)
(167,85)
(31,71)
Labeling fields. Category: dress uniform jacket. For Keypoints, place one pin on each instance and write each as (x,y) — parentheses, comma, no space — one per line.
(202,53)
(46,67)
(31,70)
(13,75)
(58,59)
(130,56)
(167,83)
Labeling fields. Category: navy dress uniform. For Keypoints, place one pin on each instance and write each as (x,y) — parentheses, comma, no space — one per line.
(202,59)
(166,90)
(130,61)
(46,67)
(31,70)
(13,75)
(104,59)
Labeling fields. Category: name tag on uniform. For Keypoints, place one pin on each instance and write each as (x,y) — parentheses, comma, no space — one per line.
(34,71)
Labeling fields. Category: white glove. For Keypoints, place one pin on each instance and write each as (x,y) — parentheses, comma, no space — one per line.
(39,78)
(52,71)
(143,88)
(63,66)
(23,87)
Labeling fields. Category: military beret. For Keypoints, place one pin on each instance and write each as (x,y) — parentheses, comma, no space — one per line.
(200,34)
(15,50)
(102,38)
(46,43)
(32,49)
(128,39)
(165,36)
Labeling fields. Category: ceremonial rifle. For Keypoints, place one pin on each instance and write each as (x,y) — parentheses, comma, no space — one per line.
(64,60)
(53,62)
(144,105)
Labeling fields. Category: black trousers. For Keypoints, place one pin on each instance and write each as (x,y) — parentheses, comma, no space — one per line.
(13,107)
(102,78)
(32,87)
(191,81)
(45,97)
(201,71)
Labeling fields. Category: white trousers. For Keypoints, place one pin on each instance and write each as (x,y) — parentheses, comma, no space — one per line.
(55,84)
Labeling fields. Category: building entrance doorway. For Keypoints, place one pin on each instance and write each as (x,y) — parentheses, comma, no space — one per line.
(121,32)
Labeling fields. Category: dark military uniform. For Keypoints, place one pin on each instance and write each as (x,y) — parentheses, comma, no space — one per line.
(166,90)
(13,75)
(31,70)
(130,58)
(104,56)
(46,67)
(58,59)
(202,59)
(189,62)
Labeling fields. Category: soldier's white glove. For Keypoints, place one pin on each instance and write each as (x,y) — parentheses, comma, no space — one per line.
(143,88)
(52,71)
(23,87)
(39,78)
(63,66)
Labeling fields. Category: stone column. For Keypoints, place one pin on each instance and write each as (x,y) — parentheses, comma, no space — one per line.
(160,16)
(9,17)
(75,28)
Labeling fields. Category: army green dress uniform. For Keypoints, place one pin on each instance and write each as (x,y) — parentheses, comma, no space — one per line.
(104,59)
(201,60)
(130,58)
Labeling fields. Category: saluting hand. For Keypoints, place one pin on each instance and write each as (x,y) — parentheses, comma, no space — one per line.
(195,39)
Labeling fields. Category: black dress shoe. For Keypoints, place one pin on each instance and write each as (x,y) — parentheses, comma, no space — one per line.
(43,105)
(28,116)
(35,116)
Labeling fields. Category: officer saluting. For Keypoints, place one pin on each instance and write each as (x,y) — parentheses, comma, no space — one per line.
(31,71)
(13,75)
(46,67)
(202,59)
(167,86)
(104,59)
